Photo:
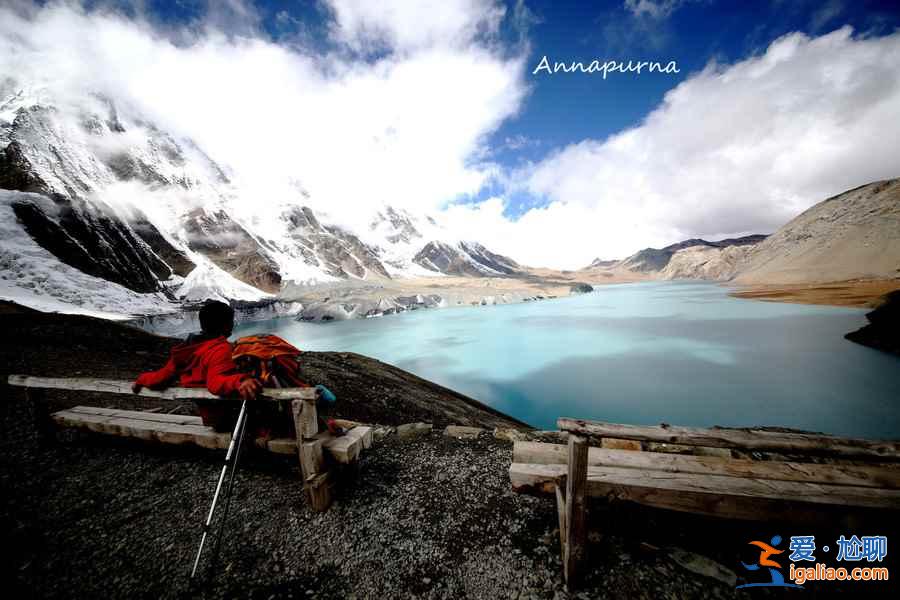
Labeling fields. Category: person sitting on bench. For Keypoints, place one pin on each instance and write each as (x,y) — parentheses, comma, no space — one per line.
(204,360)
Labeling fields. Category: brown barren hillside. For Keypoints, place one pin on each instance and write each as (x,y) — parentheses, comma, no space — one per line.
(851,236)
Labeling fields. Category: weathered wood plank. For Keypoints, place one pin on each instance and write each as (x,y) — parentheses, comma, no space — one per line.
(884,476)
(576,519)
(707,494)
(346,448)
(168,433)
(318,491)
(744,439)
(368,436)
(306,422)
(311,458)
(139,415)
(560,490)
(287,446)
(116,386)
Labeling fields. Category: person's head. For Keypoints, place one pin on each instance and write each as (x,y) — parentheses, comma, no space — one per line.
(216,318)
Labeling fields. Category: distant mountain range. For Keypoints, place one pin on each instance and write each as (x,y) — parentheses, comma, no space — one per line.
(651,260)
(102,209)
(854,235)
(114,196)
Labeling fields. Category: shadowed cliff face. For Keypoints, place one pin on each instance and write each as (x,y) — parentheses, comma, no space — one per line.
(99,244)
(333,249)
(88,236)
(883,330)
(218,237)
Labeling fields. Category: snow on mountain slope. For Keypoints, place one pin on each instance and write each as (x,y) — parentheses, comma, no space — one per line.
(465,259)
(418,246)
(209,282)
(32,276)
(129,203)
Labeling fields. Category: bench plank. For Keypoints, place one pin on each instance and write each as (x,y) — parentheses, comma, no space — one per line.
(882,476)
(742,439)
(346,448)
(116,386)
(139,415)
(182,429)
(169,433)
(708,494)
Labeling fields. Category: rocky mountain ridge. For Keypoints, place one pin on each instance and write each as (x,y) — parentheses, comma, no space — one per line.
(112,195)
(854,235)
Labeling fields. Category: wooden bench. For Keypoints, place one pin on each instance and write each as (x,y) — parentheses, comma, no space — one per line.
(711,485)
(310,445)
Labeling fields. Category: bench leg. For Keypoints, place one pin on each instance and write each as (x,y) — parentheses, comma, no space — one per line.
(575,525)
(317,482)
(561,514)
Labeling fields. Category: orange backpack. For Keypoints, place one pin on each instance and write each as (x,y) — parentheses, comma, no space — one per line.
(270,359)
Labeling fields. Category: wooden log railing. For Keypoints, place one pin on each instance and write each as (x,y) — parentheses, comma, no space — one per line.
(707,485)
(317,479)
(741,439)
(117,386)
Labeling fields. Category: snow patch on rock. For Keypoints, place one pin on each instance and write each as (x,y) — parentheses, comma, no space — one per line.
(33,277)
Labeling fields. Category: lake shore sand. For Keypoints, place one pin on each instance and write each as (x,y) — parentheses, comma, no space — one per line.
(856,293)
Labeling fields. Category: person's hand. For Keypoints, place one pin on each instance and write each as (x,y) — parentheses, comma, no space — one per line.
(136,388)
(249,388)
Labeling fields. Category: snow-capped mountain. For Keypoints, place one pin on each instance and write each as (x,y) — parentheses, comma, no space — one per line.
(108,194)
(464,258)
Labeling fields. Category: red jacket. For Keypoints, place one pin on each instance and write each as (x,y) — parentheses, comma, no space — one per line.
(197,364)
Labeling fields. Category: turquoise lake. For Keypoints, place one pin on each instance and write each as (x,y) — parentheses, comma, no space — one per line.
(673,352)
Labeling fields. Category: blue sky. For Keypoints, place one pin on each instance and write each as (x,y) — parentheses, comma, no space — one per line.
(432,106)
(563,110)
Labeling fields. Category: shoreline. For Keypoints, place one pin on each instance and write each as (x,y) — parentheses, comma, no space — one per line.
(857,293)
(330,302)
(430,516)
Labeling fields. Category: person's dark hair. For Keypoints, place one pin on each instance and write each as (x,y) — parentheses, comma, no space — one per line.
(216,318)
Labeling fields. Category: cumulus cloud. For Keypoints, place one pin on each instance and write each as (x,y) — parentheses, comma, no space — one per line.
(354,131)
(400,108)
(405,25)
(734,149)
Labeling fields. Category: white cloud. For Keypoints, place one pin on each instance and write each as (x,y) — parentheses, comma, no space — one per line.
(734,149)
(655,9)
(406,25)
(355,133)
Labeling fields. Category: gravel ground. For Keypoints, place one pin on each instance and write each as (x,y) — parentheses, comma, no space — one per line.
(92,516)
(432,517)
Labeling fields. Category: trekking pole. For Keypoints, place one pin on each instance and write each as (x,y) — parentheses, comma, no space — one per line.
(236,437)
(224,520)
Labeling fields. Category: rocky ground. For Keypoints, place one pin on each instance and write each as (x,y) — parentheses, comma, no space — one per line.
(426,516)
